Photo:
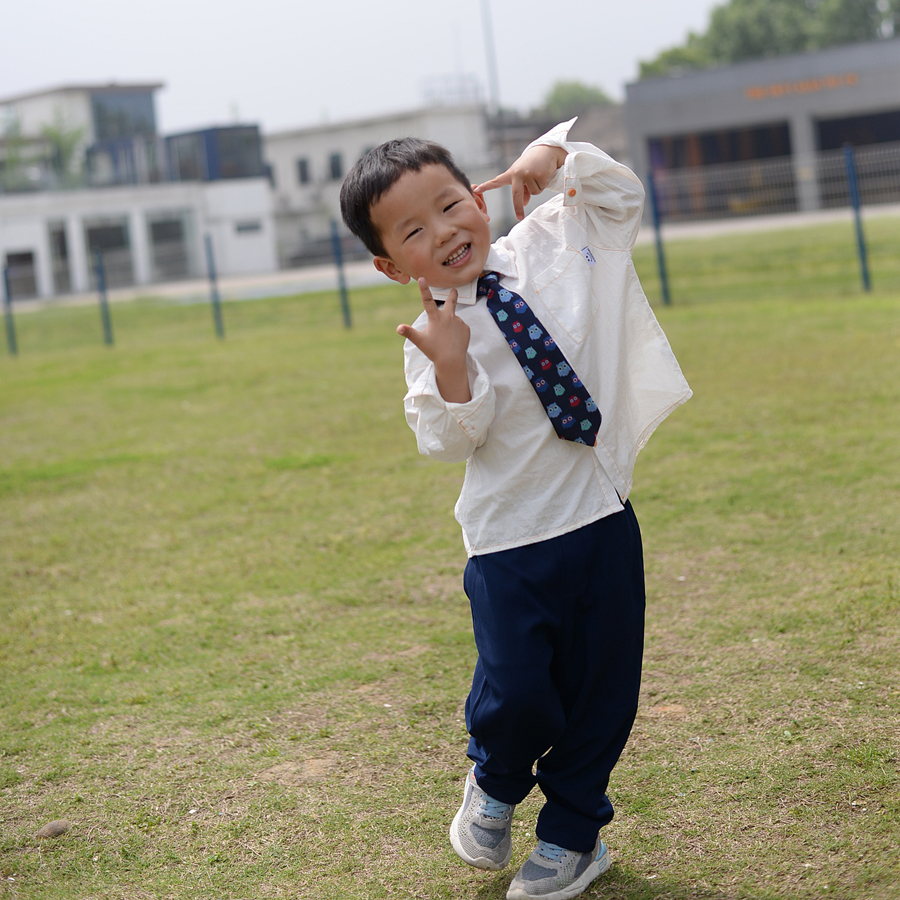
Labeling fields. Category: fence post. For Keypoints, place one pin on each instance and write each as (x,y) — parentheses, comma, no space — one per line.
(100,274)
(8,315)
(213,287)
(339,262)
(660,253)
(853,183)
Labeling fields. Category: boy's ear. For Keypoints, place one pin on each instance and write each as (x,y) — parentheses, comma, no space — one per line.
(386,267)
(479,199)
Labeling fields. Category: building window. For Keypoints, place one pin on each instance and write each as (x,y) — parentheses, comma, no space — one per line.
(336,167)
(121,114)
(303,171)
(22,275)
(247,226)
(111,239)
(187,157)
(238,151)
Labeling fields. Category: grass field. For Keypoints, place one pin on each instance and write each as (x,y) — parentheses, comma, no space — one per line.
(235,647)
(808,262)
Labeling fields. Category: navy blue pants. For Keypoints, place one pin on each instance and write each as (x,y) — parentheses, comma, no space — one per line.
(559,627)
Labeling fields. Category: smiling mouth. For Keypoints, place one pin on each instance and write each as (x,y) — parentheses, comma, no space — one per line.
(457,256)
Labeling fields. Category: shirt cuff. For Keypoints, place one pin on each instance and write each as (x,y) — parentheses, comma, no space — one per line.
(449,430)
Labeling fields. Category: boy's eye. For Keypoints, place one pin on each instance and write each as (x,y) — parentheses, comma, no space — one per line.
(451,205)
(414,231)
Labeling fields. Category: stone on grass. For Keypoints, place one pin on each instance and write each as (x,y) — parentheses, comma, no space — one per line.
(54,829)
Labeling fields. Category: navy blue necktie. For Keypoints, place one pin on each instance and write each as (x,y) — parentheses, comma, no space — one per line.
(572,411)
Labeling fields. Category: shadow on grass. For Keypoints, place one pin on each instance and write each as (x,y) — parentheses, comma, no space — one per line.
(621,884)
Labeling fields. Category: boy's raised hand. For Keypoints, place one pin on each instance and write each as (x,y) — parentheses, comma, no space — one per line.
(444,340)
(528,175)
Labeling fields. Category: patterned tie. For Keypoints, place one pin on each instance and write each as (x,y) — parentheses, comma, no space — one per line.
(572,411)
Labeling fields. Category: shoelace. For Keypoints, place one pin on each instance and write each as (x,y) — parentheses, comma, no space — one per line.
(553,852)
(493,809)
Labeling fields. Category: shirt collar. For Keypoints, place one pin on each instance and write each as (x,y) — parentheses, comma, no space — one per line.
(498,260)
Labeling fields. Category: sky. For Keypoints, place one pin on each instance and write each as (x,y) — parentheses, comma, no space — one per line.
(294,64)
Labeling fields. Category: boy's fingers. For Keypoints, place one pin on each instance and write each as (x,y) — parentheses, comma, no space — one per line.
(494,183)
(429,304)
(410,333)
(519,198)
(427,299)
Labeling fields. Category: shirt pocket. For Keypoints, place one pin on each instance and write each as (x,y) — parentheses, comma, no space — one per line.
(565,287)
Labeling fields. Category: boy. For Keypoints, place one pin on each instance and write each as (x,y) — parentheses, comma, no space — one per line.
(545,369)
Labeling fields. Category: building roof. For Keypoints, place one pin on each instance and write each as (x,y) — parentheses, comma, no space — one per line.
(378,119)
(111,87)
(807,64)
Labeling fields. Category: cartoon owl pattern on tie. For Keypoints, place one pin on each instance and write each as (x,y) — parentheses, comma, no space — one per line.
(572,411)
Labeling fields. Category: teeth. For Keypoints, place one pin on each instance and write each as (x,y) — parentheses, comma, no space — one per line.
(457,256)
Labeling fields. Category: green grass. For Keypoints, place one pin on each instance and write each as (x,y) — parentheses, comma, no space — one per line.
(235,647)
(790,264)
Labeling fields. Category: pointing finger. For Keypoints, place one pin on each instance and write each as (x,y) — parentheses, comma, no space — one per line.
(494,183)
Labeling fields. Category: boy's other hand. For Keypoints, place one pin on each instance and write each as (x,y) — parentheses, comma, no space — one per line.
(528,175)
(444,340)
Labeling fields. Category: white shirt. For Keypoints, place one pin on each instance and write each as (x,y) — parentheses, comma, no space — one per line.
(570,260)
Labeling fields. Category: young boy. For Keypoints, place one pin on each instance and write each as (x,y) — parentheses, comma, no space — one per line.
(546,371)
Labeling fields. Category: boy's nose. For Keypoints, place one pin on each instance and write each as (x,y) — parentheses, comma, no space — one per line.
(445,232)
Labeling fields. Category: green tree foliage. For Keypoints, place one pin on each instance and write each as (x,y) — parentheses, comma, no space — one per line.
(11,174)
(750,29)
(65,142)
(566,99)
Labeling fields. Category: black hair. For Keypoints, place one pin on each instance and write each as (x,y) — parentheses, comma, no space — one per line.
(377,172)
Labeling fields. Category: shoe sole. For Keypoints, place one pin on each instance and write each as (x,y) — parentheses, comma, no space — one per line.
(479,862)
(594,870)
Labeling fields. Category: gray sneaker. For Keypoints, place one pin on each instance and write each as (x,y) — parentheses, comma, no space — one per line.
(480,833)
(554,873)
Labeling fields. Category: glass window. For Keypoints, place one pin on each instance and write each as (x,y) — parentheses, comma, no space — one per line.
(169,246)
(110,238)
(336,166)
(303,171)
(22,275)
(123,114)
(187,157)
(239,152)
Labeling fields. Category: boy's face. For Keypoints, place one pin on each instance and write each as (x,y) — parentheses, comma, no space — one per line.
(432,227)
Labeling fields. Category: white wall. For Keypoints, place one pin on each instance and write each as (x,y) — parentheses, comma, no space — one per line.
(73,106)
(238,216)
(304,212)
(236,213)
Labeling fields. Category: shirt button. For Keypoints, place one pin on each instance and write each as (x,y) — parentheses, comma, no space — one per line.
(572,192)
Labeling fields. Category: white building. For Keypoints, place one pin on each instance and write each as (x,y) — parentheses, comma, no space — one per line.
(309,164)
(146,234)
(144,202)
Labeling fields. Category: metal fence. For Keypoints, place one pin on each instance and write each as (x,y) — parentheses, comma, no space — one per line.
(878,171)
(831,192)
(773,186)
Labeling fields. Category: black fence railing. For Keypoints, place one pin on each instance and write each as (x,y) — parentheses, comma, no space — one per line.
(773,186)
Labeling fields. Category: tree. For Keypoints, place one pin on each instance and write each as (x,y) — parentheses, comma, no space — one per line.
(12,176)
(65,142)
(751,29)
(566,99)
(691,55)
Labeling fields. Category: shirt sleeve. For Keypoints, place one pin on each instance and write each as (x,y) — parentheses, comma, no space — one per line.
(447,431)
(607,191)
